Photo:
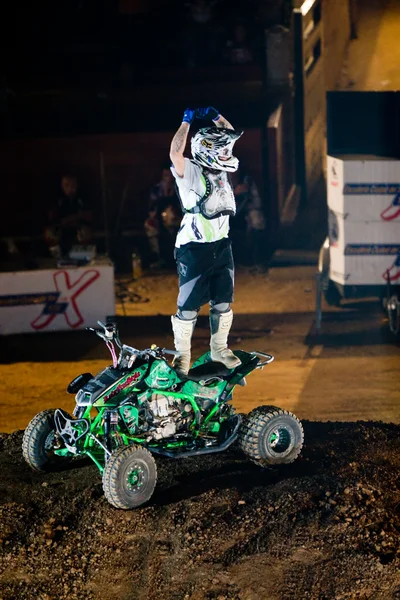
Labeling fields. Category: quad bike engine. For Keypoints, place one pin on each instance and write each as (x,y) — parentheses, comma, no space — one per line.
(169,415)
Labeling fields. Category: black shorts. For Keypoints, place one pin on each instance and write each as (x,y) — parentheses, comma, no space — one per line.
(206,273)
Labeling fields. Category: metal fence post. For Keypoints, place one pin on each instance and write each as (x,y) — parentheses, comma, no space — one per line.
(318,303)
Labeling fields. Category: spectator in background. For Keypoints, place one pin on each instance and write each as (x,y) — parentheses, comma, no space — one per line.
(249,207)
(163,219)
(152,231)
(70,219)
(171,219)
(201,11)
(200,33)
(238,49)
(256,234)
(6,95)
(272,12)
(163,191)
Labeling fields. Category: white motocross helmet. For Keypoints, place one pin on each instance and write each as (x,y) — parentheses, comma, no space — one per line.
(212,148)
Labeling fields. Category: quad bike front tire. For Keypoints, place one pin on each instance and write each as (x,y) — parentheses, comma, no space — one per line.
(271,436)
(129,477)
(38,443)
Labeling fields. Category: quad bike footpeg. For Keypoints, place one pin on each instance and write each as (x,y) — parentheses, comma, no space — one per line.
(231,433)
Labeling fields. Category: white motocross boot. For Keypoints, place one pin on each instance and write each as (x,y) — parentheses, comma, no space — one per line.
(220,325)
(183,331)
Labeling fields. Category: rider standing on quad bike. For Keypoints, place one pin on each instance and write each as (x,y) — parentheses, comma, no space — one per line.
(203,250)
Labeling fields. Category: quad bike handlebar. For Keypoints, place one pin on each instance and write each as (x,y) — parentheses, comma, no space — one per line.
(108,333)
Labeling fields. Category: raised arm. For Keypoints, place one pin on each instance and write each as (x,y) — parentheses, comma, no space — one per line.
(177,148)
(222,122)
(179,142)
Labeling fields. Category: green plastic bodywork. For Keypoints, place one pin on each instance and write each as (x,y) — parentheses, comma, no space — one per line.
(122,388)
(126,396)
(161,376)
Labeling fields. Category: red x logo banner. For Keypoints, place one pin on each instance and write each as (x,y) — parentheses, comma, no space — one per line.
(66,303)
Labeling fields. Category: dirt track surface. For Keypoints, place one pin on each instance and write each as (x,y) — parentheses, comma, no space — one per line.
(326,527)
(217,527)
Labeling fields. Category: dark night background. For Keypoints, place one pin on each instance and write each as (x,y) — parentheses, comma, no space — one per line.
(86,84)
(79,57)
(100,69)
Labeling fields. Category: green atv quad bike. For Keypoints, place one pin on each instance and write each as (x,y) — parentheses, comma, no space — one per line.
(140,408)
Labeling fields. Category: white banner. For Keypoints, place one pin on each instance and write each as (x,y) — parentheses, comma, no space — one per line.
(62,299)
(344,233)
(364,189)
(370,264)
(361,253)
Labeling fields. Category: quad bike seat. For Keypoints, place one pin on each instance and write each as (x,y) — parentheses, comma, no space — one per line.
(207,371)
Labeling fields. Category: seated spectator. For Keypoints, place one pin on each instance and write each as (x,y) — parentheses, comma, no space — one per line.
(70,219)
(238,50)
(171,219)
(164,191)
(152,231)
(163,219)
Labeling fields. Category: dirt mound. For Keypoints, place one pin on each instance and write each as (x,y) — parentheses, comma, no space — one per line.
(218,527)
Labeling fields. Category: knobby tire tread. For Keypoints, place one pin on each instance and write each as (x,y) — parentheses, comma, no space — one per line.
(29,440)
(251,429)
(111,481)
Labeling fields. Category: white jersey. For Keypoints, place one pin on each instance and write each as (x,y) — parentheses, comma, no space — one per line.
(192,188)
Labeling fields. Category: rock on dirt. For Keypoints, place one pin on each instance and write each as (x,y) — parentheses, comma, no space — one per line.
(217,527)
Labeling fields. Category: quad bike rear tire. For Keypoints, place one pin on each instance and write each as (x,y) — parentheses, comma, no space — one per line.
(271,436)
(38,441)
(129,477)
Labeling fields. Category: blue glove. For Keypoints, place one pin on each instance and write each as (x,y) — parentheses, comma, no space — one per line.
(188,115)
(208,113)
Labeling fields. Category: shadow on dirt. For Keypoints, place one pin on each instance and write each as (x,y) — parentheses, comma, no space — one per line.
(347,327)
(237,475)
(183,479)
